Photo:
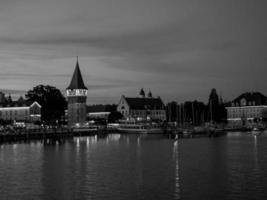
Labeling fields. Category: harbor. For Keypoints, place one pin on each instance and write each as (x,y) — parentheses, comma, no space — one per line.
(59,134)
(133,100)
(53,134)
(127,166)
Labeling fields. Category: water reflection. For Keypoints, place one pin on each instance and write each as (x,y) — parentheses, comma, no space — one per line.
(135,167)
(256,168)
(113,137)
(177,177)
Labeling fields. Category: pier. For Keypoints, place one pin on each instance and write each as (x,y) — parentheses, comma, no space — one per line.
(55,134)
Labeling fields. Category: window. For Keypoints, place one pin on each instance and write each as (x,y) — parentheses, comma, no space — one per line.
(243,102)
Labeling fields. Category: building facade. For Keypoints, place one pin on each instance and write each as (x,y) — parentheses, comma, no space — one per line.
(247,109)
(142,108)
(21,111)
(76,95)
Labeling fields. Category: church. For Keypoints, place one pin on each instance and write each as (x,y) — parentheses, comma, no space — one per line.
(142,107)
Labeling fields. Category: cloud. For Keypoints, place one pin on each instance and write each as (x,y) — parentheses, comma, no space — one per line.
(179,48)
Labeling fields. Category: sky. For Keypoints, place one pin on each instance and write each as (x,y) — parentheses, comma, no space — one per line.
(178,49)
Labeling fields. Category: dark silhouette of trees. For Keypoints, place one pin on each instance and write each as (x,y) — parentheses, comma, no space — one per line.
(194,112)
(189,112)
(114,116)
(172,111)
(52,101)
(101,108)
(216,109)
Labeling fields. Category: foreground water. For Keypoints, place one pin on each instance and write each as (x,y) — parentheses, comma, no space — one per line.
(136,167)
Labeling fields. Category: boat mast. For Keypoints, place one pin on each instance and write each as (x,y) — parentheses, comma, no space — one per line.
(211,111)
(193,115)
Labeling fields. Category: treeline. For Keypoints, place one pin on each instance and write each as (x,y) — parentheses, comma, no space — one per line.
(101,108)
(196,112)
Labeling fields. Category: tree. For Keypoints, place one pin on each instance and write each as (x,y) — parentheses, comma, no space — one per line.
(52,101)
(213,105)
(216,109)
(114,116)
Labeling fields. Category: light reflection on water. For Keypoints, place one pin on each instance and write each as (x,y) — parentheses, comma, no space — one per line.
(136,167)
(177,177)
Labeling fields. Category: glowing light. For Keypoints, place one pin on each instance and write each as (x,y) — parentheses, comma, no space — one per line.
(76,92)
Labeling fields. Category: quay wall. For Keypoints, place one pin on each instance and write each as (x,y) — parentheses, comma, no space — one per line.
(41,134)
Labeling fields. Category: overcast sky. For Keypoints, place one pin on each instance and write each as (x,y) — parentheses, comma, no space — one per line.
(178,49)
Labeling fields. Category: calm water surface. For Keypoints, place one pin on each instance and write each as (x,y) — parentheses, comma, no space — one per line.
(136,167)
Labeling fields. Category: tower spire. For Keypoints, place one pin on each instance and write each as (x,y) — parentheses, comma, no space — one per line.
(77,80)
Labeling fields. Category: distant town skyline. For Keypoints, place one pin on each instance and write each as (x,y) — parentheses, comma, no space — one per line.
(179,50)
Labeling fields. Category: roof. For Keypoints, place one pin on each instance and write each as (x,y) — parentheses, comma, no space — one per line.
(77,80)
(144,103)
(256,97)
(19,103)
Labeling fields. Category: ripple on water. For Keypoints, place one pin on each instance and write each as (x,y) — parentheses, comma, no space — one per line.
(133,167)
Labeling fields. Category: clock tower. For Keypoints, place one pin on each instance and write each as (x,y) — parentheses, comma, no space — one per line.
(76,95)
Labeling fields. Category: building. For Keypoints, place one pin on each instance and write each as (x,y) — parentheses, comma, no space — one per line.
(98,115)
(20,111)
(76,95)
(100,111)
(247,109)
(142,108)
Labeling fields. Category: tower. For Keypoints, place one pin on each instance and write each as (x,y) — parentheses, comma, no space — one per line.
(76,95)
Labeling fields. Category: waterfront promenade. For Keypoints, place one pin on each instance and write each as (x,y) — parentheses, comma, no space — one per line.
(55,134)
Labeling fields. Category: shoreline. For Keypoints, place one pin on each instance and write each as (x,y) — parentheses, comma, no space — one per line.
(63,133)
(42,134)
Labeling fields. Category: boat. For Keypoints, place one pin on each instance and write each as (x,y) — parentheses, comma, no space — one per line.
(187,132)
(255,131)
(85,129)
(128,126)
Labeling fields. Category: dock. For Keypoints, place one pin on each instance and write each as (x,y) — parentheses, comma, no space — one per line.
(55,134)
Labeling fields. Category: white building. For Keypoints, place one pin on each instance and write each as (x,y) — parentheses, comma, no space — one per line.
(98,115)
(22,111)
(142,108)
(247,109)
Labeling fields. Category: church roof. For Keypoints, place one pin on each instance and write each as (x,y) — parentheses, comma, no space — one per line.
(77,80)
(142,92)
(144,103)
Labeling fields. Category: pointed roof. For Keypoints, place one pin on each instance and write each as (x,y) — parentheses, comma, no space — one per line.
(77,80)
(142,92)
(150,94)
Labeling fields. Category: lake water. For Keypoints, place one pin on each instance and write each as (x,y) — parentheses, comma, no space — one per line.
(136,167)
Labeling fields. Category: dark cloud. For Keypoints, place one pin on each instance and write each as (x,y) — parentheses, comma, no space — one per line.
(180,48)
